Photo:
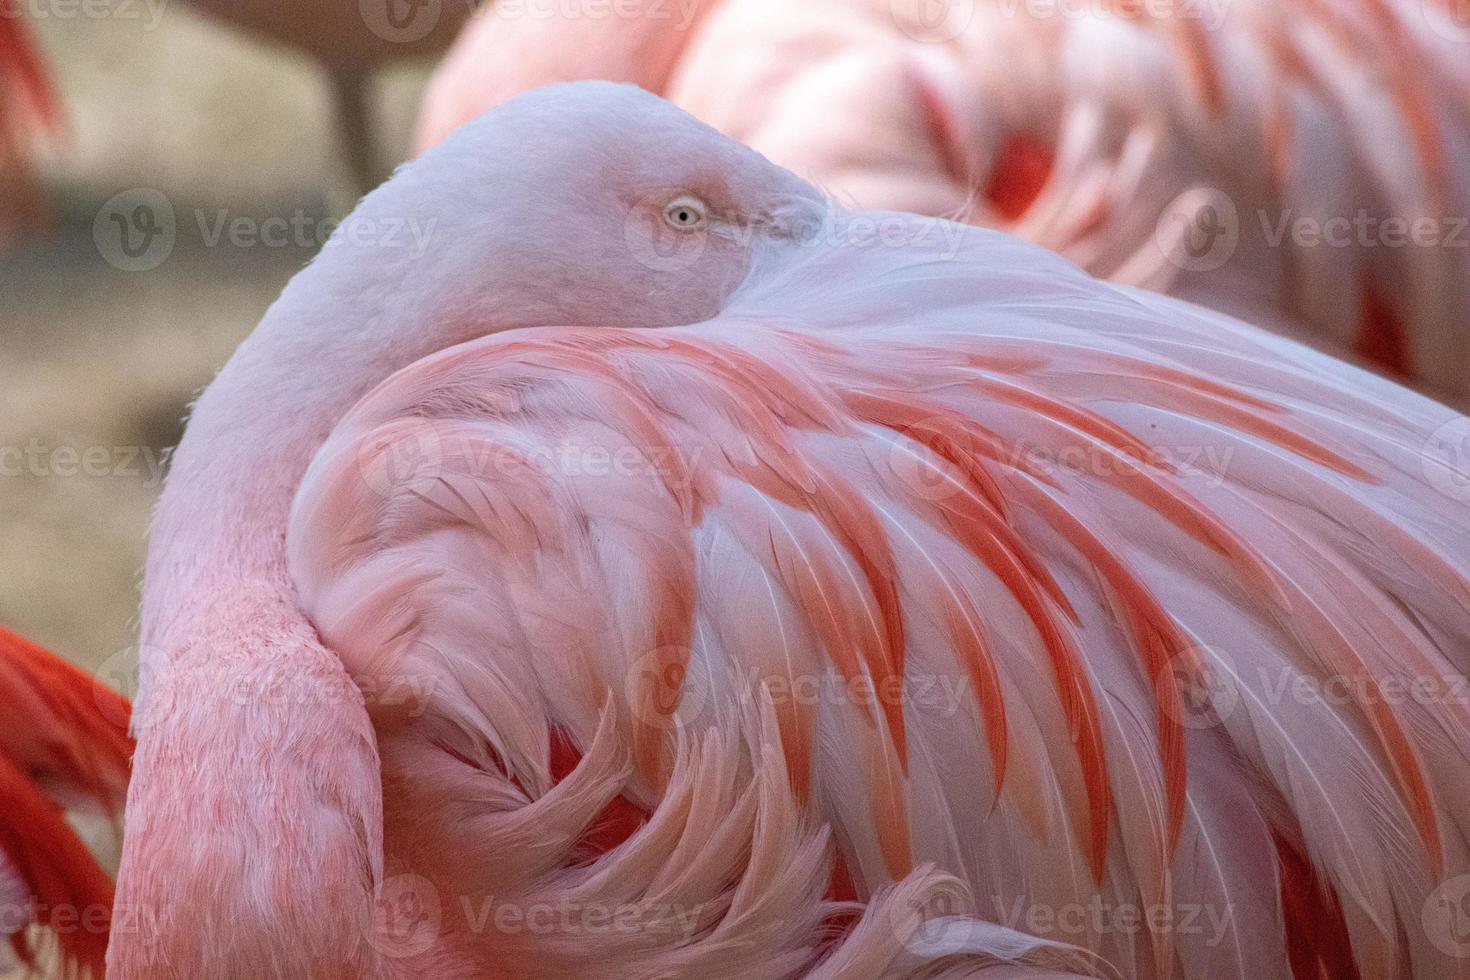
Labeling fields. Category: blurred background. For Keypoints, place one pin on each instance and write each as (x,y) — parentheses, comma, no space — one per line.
(241,136)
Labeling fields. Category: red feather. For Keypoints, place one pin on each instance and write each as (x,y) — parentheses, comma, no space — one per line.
(58,727)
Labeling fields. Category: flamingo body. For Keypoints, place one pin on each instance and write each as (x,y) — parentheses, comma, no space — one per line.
(831,593)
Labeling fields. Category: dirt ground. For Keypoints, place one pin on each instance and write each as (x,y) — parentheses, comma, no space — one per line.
(100,360)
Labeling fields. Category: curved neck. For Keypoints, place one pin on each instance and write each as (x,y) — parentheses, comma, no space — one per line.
(222,517)
(365,307)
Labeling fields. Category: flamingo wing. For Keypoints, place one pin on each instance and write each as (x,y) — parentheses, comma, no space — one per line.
(1087,597)
(65,740)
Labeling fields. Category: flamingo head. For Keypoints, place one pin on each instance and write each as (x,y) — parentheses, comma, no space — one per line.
(586,203)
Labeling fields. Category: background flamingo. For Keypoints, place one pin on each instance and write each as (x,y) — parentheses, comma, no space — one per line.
(352,40)
(1120,134)
(650,435)
(63,744)
(25,105)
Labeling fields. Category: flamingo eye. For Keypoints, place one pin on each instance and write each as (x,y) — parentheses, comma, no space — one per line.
(685,213)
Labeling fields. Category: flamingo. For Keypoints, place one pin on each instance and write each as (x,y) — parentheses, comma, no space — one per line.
(1291,162)
(669,572)
(64,744)
(26,105)
(351,39)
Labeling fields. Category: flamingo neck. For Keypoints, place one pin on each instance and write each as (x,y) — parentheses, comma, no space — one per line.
(222,517)
(338,329)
